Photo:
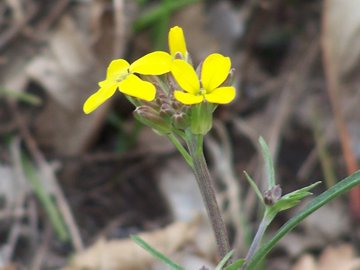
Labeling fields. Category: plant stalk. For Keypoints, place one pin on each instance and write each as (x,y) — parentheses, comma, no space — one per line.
(204,181)
(335,191)
(181,149)
(257,239)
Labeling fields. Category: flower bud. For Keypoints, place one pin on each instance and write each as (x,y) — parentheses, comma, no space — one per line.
(162,98)
(179,55)
(180,120)
(151,104)
(150,117)
(176,104)
(230,80)
(166,110)
(272,195)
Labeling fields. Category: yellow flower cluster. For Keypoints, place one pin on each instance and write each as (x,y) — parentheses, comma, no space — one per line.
(193,89)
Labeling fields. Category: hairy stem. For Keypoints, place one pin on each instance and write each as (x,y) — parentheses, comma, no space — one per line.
(208,194)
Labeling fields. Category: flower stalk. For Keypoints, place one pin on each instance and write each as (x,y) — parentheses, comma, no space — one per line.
(204,181)
(265,222)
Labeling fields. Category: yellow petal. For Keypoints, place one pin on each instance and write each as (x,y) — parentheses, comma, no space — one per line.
(177,41)
(117,70)
(187,98)
(135,87)
(221,95)
(155,63)
(215,70)
(185,76)
(98,98)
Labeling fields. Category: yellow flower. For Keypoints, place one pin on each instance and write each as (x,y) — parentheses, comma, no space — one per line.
(120,75)
(214,72)
(177,42)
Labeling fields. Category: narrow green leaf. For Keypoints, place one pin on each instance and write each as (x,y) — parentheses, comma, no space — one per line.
(142,2)
(45,199)
(161,28)
(335,191)
(23,96)
(224,260)
(235,265)
(155,14)
(269,166)
(254,187)
(156,253)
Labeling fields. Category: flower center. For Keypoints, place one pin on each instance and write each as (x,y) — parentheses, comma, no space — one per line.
(202,91)
(122,75)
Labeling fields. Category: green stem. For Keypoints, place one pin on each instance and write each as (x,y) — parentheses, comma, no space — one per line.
(204,181)
(181,149)
(265,222)
(335,191)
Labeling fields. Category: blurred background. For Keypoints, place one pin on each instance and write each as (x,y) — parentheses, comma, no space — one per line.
(73,187)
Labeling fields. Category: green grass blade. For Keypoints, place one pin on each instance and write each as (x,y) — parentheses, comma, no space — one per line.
(46,201)
(157,12)
(156,253)
(224,260)
(254,187)
(24,97)
(235,265)
(335,191)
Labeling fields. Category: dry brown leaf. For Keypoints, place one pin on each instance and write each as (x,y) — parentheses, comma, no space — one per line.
(67,71)
(341,257)
(126,255)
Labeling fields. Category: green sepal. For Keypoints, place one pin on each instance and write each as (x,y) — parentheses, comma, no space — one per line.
(201,118)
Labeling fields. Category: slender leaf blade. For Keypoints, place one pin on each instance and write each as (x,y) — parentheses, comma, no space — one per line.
(235,265)
(156,253)
(269,165)
(254,187)
(224,260)
(334,192)
(50,207)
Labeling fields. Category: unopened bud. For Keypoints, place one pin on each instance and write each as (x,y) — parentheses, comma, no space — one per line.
(150,117)
(166,110)
(162,98)
(230,79)
(179,55)
(176,104)
(180,120)
(272,195)
(198,69)
(151,104)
